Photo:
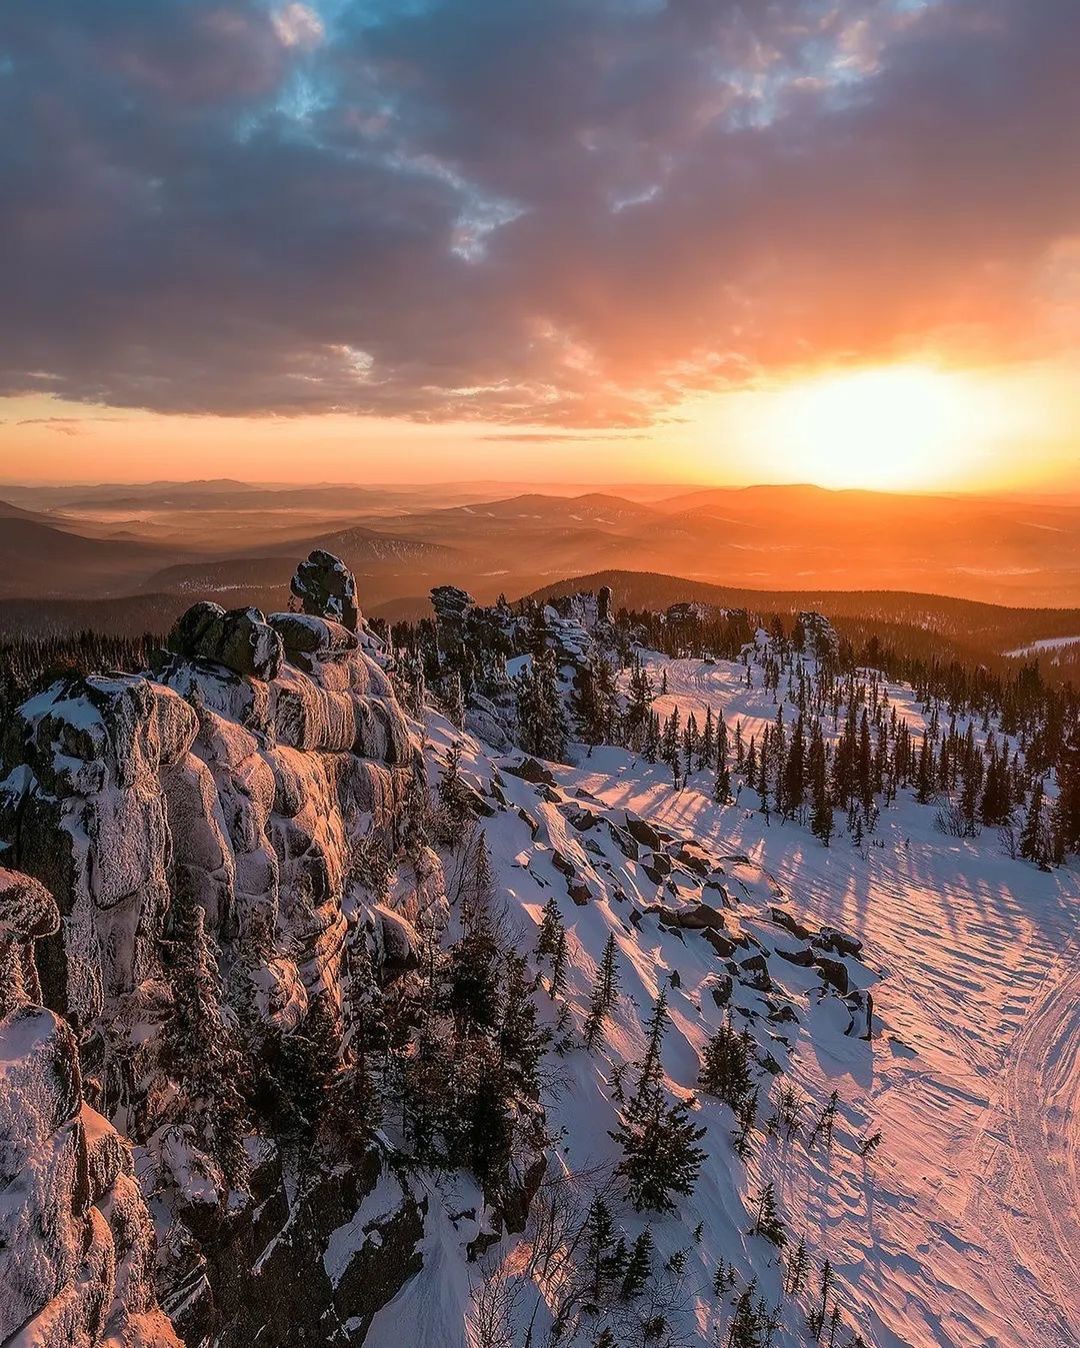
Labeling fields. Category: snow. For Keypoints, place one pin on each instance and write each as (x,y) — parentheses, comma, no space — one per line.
(382,1202)
(963,1228)
(1046,644)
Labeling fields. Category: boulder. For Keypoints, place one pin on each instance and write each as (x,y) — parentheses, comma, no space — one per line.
(27,910)
(834,972)
(530,770)
(238,639)
(324,587)
(784,919)
(450,603)
(837,943)
(643,832)
(603,605)
(803,957)
(307,638)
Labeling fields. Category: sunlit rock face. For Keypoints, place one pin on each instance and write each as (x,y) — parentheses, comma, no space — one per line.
(242,779)
(77,1245)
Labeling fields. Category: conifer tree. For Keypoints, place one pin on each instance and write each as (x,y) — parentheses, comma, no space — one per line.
(639,1266)
(606,1258)
(547,938)
(670,748)
(767,1221)
(1031,837)
(797,1268)
(542,728)
(726,1066)
(558,967)
(605,990)
(455,811)
(722,785)
(660,1152)
(521,1039)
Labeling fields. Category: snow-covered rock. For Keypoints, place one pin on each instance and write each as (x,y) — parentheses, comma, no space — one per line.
(324,587)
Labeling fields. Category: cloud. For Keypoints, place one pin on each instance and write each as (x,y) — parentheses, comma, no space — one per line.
(572,213)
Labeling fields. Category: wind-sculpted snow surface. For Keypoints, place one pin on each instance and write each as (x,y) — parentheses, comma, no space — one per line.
(964,1228)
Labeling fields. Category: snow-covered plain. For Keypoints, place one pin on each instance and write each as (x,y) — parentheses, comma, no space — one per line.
(963,1227)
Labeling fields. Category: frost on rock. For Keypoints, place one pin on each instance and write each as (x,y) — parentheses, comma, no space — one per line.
(77,1244)
(240,782)
(324,587)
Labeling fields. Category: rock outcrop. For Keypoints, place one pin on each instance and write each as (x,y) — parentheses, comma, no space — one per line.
(234,793)
(77,1244)
(324,587)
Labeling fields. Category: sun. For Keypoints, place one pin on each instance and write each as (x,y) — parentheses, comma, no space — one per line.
(895,427)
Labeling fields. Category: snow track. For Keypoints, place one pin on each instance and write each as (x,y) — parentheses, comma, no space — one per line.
(1028,1180)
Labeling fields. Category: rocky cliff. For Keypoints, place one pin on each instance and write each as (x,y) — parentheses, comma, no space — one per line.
(201,843)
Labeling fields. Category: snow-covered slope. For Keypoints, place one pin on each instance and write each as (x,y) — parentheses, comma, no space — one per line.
(242,853)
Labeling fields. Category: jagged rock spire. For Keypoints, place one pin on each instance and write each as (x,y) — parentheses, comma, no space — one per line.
(324,587)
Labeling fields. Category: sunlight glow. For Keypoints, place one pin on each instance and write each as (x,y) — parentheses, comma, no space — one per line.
(897,427)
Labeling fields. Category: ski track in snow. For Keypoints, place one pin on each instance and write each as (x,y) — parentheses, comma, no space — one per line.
(965,1228)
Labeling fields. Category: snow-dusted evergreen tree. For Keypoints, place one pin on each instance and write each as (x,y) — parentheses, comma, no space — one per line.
(639,1266)
(726,1066)
(201,1051)
(542,728)
(767,1221)
(660,1155)
(604,992)
(455,811)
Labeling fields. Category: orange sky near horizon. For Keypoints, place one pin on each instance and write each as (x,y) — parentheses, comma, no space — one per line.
(912,426)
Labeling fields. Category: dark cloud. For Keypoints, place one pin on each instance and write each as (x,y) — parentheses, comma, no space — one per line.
(571,212)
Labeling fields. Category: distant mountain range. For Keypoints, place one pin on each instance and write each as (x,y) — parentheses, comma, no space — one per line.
(162,542)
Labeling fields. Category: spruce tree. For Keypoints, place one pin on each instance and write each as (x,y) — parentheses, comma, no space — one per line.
(639,1266)
(726,1066)
(767,1221)
(1031,836)
(455,811)
(605,990)
(547,938)
(660,1153)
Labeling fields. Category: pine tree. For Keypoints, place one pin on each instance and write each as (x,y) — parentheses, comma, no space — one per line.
(455,811)
(547,938)
(745,1331)
(660,1153)
(670,749)
(722,785)
(726,1066)
(797,1268)
(542,728)
(639,706)
(605,990)
(201,1052)
(1031,837)
(706,746)
(767,1221)
(558,967)
(639,1267)
(522,1041)
(605,1258)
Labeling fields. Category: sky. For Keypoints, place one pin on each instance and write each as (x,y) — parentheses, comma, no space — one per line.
(677,240)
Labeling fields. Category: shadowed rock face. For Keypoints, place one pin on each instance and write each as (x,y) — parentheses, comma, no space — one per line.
(324,587)
(239,781)
(238,639)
